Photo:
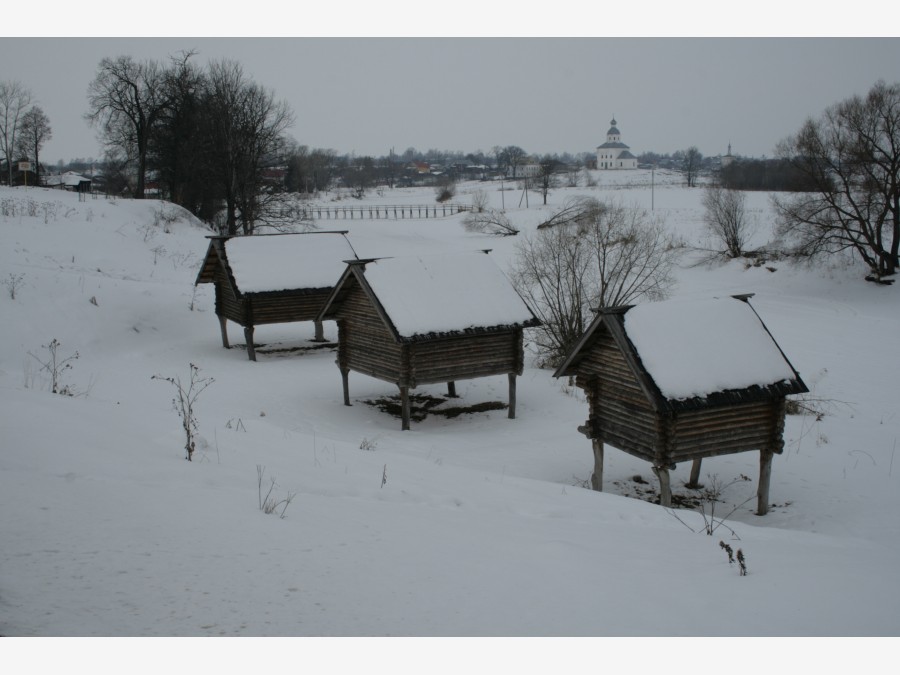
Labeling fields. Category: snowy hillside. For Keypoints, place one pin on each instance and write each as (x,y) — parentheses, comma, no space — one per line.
(473,525)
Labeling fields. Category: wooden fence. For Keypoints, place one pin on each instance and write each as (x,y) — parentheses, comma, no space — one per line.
(382,212)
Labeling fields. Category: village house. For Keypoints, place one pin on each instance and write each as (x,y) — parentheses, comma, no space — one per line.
(70,181)
(273,278)
(670,382)
(426,319)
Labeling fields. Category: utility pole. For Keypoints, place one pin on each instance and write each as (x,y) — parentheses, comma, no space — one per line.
(391,168)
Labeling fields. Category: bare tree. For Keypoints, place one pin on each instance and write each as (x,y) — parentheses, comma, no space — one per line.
(690,165)
(546,179)
(14,101)
(247,125)
(126,100)
(479,201)
(513,156)
(595,255)
(34,132)
(553,273)
(489,221)
(634,254)
(179,148)
(851,155)
(576,211)
(726,219)
(499,157)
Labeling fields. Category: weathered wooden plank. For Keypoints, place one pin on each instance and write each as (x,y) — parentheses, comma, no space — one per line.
(694,481)
(765,478)
(597,475)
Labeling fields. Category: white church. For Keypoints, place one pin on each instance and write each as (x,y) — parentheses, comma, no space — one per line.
(614,154)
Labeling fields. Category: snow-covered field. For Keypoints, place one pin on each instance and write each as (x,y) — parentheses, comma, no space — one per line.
(469,526)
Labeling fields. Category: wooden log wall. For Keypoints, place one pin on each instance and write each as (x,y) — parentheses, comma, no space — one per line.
(464,357)
(364,342)
(211,265)
(621,414)
(725,430)
(227,303)
(258,309)
(286,307)
(605,361)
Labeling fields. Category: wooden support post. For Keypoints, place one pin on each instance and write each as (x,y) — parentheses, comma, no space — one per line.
(345,381)
(224,328)
(765,477)
(404,408)
(597,476)
(512,396)
(451,389)
(248,336)
(320,332)
(665,489)
(694,482)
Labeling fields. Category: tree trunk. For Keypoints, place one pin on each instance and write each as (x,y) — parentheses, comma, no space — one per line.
(142,166)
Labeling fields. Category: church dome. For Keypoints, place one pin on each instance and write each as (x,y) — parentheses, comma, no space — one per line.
(612,128)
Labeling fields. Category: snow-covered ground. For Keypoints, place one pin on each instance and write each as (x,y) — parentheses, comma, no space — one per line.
(475,525)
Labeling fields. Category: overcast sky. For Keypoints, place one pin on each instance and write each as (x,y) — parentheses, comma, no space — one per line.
(367,95)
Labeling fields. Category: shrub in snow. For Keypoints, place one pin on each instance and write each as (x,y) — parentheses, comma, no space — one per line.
(56,365)
(184,401)
(590,254)
(13,282)
(268,503)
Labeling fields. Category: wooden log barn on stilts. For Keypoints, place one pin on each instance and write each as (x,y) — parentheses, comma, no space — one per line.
(273,278)
(427,319)
(679,381)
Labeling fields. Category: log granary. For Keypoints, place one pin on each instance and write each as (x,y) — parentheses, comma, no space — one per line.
(273,278)
(679,381)
(427,319)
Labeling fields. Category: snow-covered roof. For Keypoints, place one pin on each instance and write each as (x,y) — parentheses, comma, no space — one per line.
(281,262)
(689,354)
(440,294)
(68,179)
(699,347)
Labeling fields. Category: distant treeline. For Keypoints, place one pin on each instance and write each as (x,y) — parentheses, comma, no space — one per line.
(764,174)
